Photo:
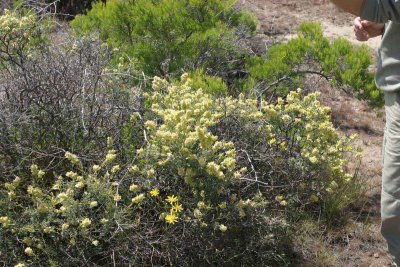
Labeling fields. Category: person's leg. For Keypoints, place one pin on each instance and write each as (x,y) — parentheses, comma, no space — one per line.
(390,198)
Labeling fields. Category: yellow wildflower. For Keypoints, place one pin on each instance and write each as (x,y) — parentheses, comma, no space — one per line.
(11,194)
(201,204)
(151,125)
(313,159)
(154,192)
(272,141)
(283,202)
(134,117)
(62,196)
(177,208)
(172,199)
(48,229)
(34,169)
(171,218)
(222,205)
(242,213)
(197,213)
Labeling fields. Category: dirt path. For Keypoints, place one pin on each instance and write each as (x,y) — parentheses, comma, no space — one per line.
(362,245)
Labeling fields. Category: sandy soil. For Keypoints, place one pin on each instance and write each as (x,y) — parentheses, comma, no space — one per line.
(278,22)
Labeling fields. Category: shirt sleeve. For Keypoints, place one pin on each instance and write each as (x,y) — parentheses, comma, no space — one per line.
(381,11)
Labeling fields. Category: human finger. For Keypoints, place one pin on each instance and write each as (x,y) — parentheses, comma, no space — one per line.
(366,23)
(357,23)
(361,36)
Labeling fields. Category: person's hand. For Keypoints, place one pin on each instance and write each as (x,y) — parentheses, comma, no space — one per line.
(364,29)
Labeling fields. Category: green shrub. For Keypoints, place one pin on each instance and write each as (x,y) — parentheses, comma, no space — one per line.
(310,52)
(170,37)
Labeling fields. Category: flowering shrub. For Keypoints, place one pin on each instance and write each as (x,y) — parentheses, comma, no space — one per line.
(293,153)
(215,183)
(59,96)
(19,34)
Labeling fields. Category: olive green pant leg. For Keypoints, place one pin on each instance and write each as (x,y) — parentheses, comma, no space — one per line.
(390,197)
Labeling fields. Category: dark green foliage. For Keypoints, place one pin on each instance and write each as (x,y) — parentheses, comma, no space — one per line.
(210,84)
(169,37)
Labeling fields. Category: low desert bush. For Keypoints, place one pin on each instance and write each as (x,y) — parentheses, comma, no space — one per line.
(217,181)
(66,96)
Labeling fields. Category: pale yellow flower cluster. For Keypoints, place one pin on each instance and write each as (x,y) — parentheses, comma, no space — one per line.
(72,158)
(85,223)
(5,222)
(110,157)
(36,172)
(11,187)
(223,228)
(29,252)
(139,198)
(244,205)
(281,200)
(307,125)
(16,29)
(187,115)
